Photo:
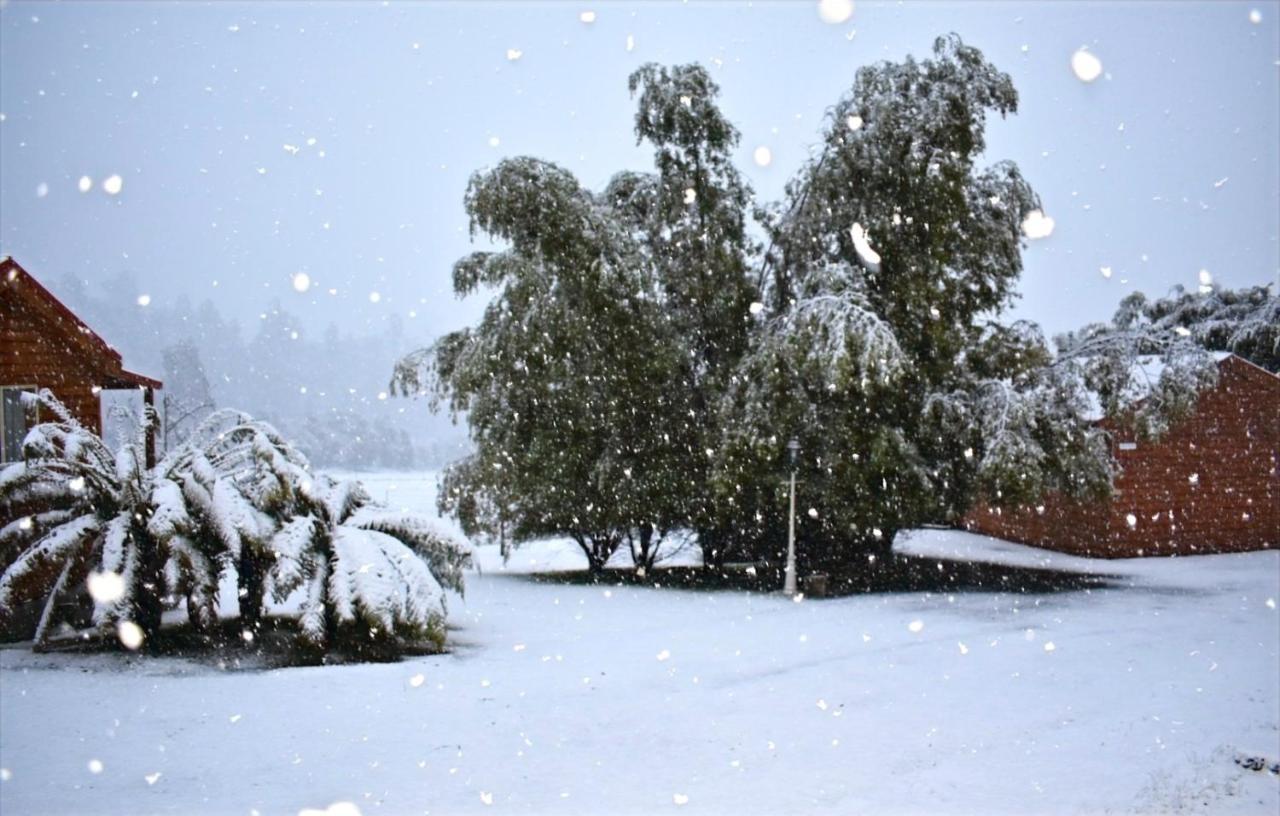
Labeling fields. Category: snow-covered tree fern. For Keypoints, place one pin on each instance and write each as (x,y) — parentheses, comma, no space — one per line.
(369,577)
(235,494)
(75,507)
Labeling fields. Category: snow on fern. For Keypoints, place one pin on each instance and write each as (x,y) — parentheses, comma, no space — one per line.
(234,494)
(362,565)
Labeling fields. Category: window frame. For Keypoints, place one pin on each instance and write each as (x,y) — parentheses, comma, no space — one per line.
(30,389)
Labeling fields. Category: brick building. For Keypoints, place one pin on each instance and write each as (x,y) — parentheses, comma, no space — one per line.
(1211,484)
(44,345)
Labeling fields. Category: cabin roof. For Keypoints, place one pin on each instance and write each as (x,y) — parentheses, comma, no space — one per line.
(11,272)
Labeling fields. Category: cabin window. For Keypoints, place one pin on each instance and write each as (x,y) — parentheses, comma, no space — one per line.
(17,416)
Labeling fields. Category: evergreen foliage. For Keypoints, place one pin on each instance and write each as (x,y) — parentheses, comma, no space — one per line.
(643,363)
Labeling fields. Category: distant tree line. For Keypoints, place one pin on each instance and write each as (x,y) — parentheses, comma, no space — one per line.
(321,390)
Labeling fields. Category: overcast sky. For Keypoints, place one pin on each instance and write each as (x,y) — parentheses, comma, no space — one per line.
(253,142)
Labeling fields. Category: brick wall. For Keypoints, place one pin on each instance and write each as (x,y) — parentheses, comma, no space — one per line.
(1212,484)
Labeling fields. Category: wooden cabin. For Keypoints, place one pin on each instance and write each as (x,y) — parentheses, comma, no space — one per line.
(44,345)
(1210,484)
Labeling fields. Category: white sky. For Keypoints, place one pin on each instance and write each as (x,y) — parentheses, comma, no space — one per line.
(1167,164)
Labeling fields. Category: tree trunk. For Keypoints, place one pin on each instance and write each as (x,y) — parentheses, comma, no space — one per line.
(646,555)
(202,614)
(148,592)
(712,549)
(41,639)
(252,585)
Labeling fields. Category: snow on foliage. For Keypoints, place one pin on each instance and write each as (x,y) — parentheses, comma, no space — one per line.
(1151,361)
(624,382)
(360,565)
(235,494)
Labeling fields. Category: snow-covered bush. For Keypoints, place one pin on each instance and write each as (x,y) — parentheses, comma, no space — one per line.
(234,495)
(370,578)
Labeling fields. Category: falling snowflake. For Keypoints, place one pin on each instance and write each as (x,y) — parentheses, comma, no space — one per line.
(1049,647)
(663,655)
(1255,16)
(756,308)
(680,799)
(916,625)
(853,122)
(631,42)
(1086,66)
(1037,225)
(835,12)
(42,190)
(1131,520)
(587,17)
(763,156)
(95,766)
(375,297)
(130,635)
(1106,271)
(1206,282)
(144,300)
(105,587)
(85,184)
(514,54)
(862,245)
(417,680)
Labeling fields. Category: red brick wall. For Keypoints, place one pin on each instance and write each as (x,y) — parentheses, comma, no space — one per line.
(1231,445)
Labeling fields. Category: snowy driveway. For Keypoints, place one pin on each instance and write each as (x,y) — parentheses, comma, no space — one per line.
(575,699)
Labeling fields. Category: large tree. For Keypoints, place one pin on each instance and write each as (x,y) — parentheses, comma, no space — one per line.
(889,263)
(560,382)
(638,372)
(591,385)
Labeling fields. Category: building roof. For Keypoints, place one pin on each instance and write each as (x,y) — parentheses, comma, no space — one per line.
(11,272)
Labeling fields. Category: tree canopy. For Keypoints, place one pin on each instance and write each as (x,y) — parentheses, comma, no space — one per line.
(643,361)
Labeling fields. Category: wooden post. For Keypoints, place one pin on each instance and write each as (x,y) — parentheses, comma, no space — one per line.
(149,397)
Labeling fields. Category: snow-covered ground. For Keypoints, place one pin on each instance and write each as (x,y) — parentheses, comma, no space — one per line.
(561,698)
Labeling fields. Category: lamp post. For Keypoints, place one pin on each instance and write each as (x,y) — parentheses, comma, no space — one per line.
(789,579)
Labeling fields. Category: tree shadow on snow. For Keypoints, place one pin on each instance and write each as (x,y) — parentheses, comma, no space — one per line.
(891,574)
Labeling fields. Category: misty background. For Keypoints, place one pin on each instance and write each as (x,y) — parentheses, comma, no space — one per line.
(256,143)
